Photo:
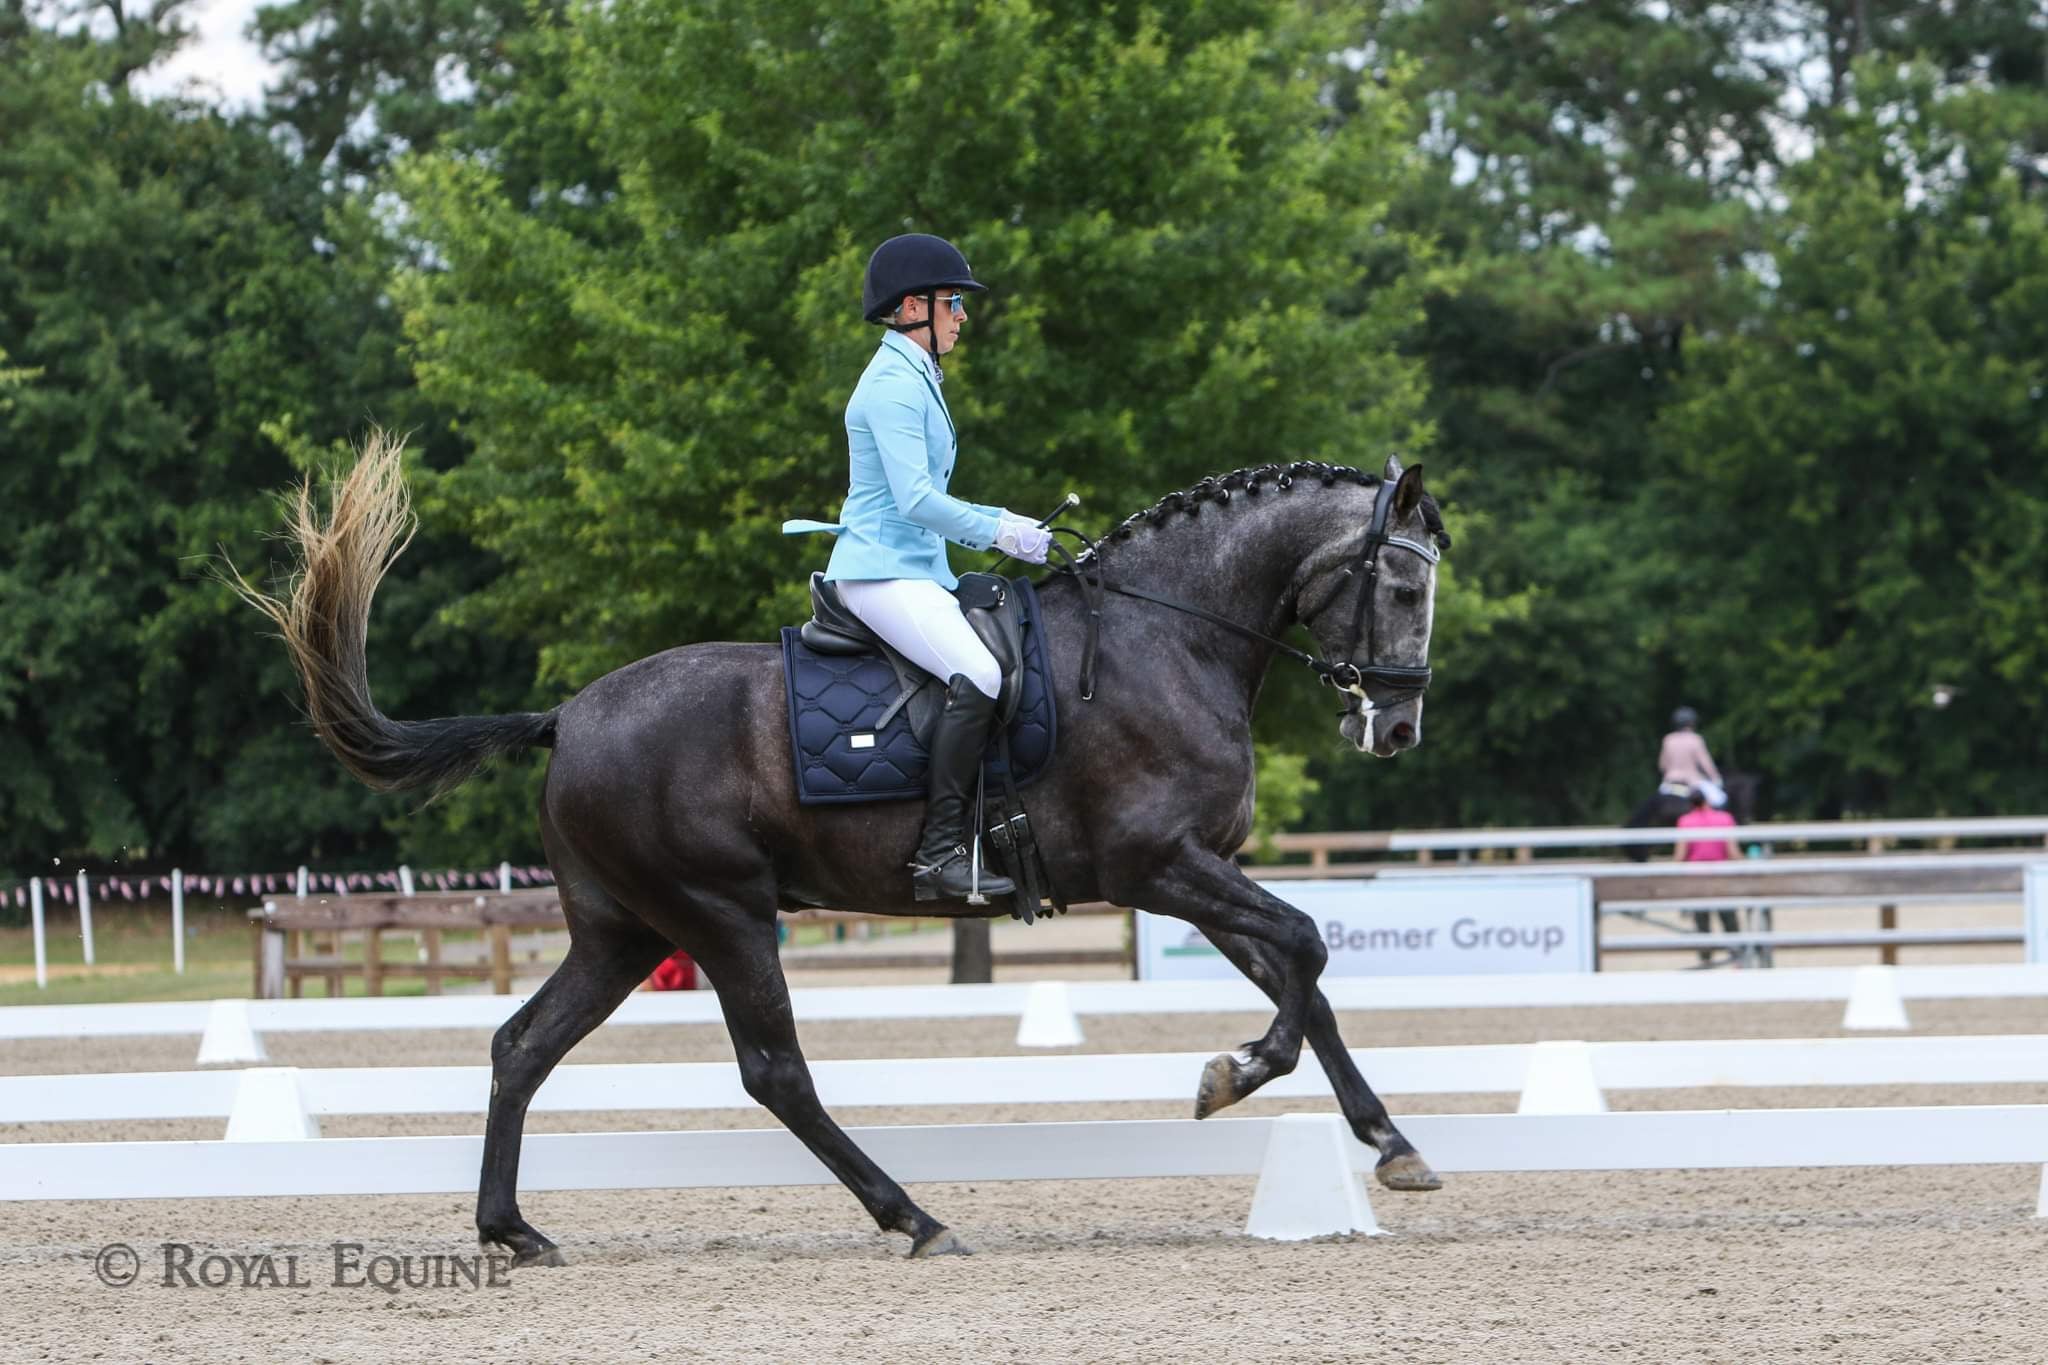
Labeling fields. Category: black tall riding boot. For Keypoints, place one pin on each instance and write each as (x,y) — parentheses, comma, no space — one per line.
(942,867)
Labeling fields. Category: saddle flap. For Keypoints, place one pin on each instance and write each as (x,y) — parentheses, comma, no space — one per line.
(995,614)
(854,738)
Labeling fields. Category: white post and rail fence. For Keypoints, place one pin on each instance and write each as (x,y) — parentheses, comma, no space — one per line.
(1050,1014)
(1371,875)
(1310,1170)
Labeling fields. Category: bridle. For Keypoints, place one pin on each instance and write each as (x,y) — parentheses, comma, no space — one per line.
(1410,680)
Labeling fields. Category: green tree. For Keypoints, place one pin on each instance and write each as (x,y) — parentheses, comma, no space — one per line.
(1863,467)
(180,283)
(362,80)
(1591,171)
(654,375)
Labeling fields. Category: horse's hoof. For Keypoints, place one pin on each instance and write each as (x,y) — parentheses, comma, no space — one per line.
(1408,1171)
(1219,1087)
(940,1243)
(527,1245)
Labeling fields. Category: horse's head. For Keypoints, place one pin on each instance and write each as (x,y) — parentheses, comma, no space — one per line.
(1369,597)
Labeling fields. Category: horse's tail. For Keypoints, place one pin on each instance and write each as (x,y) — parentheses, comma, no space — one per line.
(325,619)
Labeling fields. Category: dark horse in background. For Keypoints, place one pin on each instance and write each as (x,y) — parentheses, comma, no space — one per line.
(670,815)
(1664,808)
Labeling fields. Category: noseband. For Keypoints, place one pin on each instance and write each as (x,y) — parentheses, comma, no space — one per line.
(1411,680)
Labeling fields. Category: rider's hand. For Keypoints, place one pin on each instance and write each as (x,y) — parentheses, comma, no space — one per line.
(1020,539)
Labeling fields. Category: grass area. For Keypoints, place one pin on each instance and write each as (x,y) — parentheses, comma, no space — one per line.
(132,955)
(132,958)
(817,935)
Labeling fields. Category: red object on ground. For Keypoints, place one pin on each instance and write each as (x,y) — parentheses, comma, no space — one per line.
(676,973)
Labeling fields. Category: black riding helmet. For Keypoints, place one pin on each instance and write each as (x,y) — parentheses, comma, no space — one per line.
(1684,718)
(914,263)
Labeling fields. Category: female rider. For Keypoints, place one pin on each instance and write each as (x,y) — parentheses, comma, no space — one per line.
(890,563)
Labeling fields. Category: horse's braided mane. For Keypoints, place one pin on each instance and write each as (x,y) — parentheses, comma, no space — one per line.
(1251,481)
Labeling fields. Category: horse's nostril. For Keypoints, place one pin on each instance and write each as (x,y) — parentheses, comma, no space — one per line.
(1403,733)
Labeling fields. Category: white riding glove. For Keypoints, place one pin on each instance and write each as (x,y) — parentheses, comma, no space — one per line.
(1022,540)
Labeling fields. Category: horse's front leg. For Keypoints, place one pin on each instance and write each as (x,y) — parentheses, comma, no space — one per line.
(1400,1166)
(1210,893)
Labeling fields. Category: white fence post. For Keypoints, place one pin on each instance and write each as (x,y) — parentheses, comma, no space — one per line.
(1561,1081)
(1048,1019)
(85,916)
(2034,886)
(1874,1000)
(505,877)
(270,1108)
(302,881)
(35,914)
(405,881)
(177,921)
(230,1039)
(1306,1185)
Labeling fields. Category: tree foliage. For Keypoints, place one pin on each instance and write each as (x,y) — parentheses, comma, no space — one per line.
(1615,186)
(1719,325)
(176,282)
(654,375)
(1864,468)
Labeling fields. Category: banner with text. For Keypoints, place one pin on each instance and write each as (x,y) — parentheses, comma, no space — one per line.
(1408,926)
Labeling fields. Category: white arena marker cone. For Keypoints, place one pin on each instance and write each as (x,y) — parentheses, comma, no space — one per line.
(1561,1081)
(1874,1000)
(2041,1202)
(1306,1185)
(229,1040)
(1048,1019)
(269,1107)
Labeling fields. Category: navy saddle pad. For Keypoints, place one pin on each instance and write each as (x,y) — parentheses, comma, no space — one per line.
(835,699)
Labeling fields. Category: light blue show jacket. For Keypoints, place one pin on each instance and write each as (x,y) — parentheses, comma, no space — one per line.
(898,515)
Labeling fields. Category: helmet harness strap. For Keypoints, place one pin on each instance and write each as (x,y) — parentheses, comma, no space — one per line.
(930,324)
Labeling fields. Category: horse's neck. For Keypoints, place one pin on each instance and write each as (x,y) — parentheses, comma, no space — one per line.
(1238,561)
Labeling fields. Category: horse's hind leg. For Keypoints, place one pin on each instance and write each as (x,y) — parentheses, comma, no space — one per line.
(746,971)
(1400,1166)
(609,954)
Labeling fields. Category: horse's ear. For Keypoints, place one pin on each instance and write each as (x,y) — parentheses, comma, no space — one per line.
(1393,469)
(1408,492)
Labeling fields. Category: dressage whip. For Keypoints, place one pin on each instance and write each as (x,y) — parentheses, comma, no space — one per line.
(1072,500)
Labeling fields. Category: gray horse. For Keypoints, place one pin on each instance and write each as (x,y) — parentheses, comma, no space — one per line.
(670,814)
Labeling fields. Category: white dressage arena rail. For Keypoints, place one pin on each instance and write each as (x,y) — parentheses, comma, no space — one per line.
(1552,1078)
(1048,1012)
(1566,836)
(1308,1165)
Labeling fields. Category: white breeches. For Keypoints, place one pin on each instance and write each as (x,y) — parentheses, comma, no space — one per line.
(923,622)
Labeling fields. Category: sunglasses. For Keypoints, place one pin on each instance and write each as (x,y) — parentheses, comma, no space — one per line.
(956,301)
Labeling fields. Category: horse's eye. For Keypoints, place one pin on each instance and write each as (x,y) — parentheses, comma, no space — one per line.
(1407,597)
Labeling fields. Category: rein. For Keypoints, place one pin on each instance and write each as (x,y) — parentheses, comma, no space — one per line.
(1342,674)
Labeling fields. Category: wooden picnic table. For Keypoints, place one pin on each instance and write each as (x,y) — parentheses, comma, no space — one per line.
(300,940)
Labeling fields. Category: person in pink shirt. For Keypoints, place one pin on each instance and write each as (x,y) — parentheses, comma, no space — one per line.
(1703,816)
